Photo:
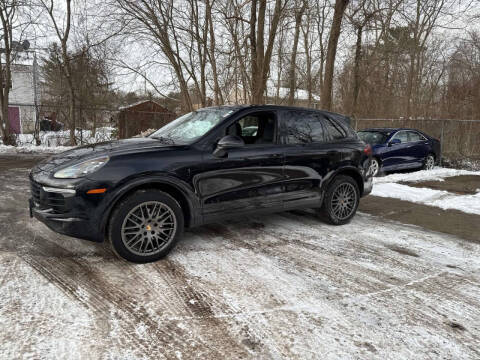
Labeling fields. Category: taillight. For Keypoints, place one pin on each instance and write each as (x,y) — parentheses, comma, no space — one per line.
(367,150)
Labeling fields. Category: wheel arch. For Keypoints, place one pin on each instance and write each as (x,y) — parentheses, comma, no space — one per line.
(351,172)
(166,185)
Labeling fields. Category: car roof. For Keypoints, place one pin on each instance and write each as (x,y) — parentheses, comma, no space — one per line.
(274,107)
(388,130)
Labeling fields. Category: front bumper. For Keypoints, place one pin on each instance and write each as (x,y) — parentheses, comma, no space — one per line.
(66,224)
(66,211)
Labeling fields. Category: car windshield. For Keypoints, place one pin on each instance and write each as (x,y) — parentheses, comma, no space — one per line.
(190,127)
(373,137)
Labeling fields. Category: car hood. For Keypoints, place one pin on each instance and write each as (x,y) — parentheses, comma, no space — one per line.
(110,148)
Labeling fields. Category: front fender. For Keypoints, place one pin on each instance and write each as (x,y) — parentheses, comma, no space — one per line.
(130,185)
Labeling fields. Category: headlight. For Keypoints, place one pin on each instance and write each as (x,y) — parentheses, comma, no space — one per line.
(81,169)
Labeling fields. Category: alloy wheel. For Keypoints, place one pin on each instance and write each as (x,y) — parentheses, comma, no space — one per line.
(148,228)
(429,162)
(374,167)
(344,201)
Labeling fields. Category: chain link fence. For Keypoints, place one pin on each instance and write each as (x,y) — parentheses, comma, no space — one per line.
(49,125)
(459,138)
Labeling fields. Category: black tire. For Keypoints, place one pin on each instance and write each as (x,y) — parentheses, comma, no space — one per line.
(137,203)
(329,211)
(429,162)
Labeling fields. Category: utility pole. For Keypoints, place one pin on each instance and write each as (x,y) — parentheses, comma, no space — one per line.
(36,131)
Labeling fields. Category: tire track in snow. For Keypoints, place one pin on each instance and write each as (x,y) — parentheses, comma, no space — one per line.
(104,298)
(87,284)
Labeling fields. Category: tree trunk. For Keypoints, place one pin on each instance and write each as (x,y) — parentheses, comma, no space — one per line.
(71,114)
(213,62)
(261,62)
(356,71)
(411,75)
(308,59)
(340,6)
(293,59)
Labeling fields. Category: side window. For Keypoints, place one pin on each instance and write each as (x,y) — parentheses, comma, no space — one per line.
(249,125)
(402,136)
(302,127)
(333,130)
(256,128)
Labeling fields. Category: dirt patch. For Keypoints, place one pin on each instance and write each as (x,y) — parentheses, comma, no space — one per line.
(454,222)
(463,184)
(456,326)
(19,161)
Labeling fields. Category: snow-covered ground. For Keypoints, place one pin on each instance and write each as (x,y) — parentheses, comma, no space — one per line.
(436,174)
(54,141)
(388,186)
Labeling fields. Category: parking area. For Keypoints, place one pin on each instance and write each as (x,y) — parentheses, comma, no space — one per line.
(402,280)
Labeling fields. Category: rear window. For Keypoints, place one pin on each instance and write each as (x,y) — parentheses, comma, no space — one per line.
(373,137)
(414,136)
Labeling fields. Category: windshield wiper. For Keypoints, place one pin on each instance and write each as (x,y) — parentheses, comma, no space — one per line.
(164,140)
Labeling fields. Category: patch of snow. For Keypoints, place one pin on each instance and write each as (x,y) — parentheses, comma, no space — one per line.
(438,173)
(6,149)
(56,141)
(438,198)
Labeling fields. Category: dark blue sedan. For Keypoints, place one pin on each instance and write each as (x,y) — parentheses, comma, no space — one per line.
(399,149)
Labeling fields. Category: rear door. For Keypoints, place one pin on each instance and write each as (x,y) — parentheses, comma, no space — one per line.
(309,156)
(419,147)
(247,178)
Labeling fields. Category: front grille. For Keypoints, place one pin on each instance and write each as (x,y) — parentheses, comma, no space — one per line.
(47,200)
(35,188)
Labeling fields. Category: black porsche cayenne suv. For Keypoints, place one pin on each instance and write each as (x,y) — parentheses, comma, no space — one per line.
(210,164)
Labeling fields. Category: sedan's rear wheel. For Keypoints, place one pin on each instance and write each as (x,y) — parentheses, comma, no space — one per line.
(145,226)
(429,162)
(374,167)
(341,200)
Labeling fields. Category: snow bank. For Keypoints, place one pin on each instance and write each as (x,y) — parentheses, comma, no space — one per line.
(56,141)
(5,149)
(438,198)
(437,174)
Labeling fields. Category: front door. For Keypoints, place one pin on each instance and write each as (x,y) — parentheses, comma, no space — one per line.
(246,178)
(397,155)
(14,119)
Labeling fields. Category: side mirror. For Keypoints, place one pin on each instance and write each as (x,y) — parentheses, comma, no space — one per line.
(394,142)
(226,143)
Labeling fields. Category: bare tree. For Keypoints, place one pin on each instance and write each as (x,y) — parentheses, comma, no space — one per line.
(58,17)
(11,23)
(154,21)
(259,54)
(340,6)
(298,11)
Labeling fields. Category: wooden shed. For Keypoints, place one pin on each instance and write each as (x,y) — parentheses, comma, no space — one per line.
(144,115)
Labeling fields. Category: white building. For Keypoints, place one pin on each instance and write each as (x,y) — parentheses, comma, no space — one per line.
(21,109)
